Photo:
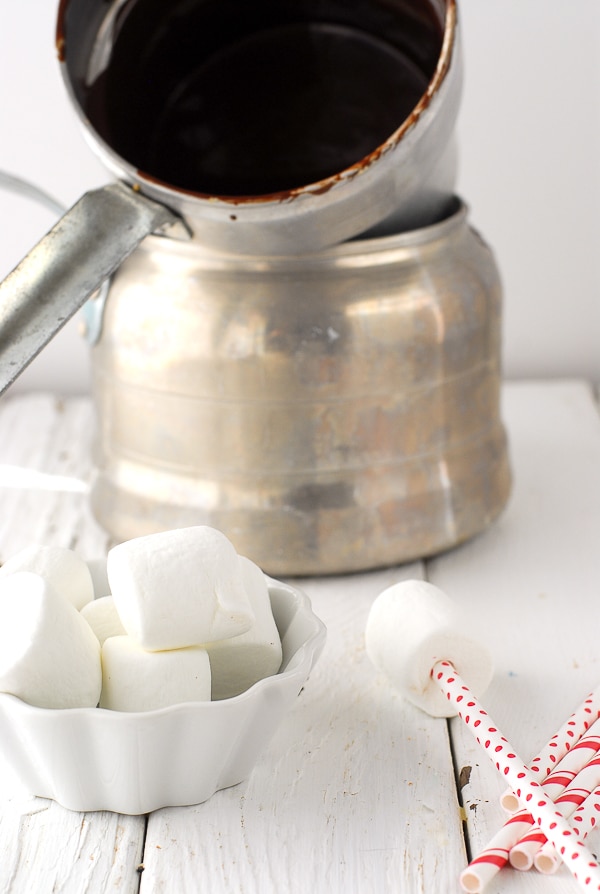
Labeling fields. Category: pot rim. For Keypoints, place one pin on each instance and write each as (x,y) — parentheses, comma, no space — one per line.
(167,192)
(357,252)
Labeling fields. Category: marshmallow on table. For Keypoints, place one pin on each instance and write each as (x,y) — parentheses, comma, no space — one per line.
(411,626)
(49,656)
(62,568)
(179,588)
(103,617)
(239,662)
(136,680)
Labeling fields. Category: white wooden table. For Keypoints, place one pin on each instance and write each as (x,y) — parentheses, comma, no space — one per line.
(358,792)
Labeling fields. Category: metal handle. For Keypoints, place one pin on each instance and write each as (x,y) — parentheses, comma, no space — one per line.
(71,261)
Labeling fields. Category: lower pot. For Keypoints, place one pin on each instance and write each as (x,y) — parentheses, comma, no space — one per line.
(329,412)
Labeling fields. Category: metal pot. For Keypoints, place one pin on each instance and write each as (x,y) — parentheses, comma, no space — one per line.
(409,172)
(108,53)
(331,412)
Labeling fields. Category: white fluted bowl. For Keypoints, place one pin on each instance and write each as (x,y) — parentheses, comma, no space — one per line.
(95,759)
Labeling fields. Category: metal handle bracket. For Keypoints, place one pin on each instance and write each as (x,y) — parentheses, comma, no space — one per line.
(67,266)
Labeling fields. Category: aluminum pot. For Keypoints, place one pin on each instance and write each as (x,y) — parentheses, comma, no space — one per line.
(315,167)
(222,128)
(330,413)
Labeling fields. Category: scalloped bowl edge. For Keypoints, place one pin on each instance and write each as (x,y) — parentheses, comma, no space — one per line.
(133,763)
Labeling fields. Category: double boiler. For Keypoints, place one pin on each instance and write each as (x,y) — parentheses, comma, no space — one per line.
(297,339)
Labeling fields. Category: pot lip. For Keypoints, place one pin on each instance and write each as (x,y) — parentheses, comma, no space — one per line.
(168,193)
(354,253)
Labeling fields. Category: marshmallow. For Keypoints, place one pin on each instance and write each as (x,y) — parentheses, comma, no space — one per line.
(237,663)
(64,570)
(103,617)
(179,588)
(97,569)
(49,655)
(410,627)
(136,680)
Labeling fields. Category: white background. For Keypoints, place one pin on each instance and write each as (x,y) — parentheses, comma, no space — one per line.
(529,140)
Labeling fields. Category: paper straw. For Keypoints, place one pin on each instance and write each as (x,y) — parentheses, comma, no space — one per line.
(482,869)
(559,769)
(576,856)
(572,762)
(583,723)
(570,732)
(522,856)
(523,853)
(584,820)
(516,830)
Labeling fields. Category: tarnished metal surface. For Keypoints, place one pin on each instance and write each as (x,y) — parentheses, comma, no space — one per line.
(329,413)
(67,266)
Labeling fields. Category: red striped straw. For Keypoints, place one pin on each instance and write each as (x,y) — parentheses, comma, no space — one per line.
(482,869)
(584,820)
(523,850)
(517,828)
(558,768)
(523,853)
(576,856)
(579,724)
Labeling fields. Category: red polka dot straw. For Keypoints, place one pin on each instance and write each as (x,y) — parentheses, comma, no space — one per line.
(572,797)
(584,820)
(574,759)
(526,847)
(577,725)
(557,765)
(523,782)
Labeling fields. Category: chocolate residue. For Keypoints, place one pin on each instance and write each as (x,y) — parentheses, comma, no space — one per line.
(243,100)
(60,30)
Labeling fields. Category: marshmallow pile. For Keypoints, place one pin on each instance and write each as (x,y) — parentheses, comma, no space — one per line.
(172,617)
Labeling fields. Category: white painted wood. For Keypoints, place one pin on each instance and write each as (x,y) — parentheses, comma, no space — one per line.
(44,849)
(532,587)
(356,792)
(44,474)
(45,470)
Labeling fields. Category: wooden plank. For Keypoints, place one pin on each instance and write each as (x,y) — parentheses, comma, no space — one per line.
(531,586)
(356,792)
(45,470)
(44,848)
(44,475)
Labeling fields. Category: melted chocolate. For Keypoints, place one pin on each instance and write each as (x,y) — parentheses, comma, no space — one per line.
(235,98)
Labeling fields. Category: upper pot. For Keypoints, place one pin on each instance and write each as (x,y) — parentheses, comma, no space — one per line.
(274,128)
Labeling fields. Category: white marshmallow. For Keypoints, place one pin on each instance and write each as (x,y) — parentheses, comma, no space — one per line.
(179,588)
(237,663)
(410,627)
(97,569)
(103,617)
(63,569)
(49,656)
(136,680)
